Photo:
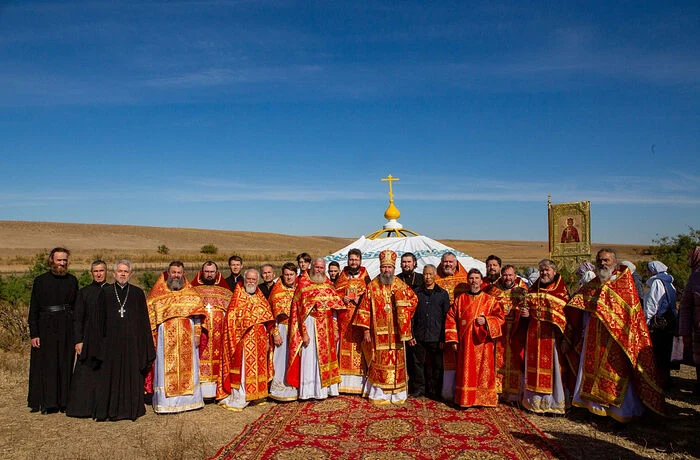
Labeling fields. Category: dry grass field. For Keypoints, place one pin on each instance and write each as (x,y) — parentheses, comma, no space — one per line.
(19,241)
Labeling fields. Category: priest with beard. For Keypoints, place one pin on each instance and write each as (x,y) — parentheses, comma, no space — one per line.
(280,300)
(617,375)
(51,330)
(247,367)
(351,286)
(176,311)
(126,353)
(313,335)
(216,295)
(385,317)
(88,338)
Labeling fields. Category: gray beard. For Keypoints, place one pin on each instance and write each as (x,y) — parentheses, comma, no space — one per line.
(448,272)
(175,284)
(317,278)
(250,289)
(386,279)
(604,273)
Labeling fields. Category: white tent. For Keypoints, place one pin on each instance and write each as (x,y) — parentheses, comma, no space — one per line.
(426,250)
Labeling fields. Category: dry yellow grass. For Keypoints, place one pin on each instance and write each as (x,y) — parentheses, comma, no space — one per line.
(20,240)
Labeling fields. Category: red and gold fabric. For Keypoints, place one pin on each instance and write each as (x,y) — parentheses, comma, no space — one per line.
(173,309)
(216,299)
(454,285)
(618,344)
(510,346)
(547,324)
(475,382)
(350,357)
(249,321)
(318,300)
(281,301)
(387,311)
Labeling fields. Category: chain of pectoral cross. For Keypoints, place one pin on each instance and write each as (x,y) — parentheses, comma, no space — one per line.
(121,305)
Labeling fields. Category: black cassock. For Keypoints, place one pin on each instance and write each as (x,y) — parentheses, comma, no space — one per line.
(126,353)
(51,320)
(87,327)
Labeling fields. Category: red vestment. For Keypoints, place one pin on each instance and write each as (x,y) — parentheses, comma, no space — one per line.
(318,300)
(454,285)
(387,311)
(570,235)
(546,324)
(350,357)
(618,344)
(248,323)
(510,346)
(173,310)
(476,373)
(281,301)
(216,298)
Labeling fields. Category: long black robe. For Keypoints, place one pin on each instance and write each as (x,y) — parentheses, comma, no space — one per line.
(51,365)
(87,323)
(126,353)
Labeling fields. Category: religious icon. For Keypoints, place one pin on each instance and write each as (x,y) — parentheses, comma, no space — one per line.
(352,293)
(570,233)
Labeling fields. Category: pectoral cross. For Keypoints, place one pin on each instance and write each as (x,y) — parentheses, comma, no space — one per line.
(209,309)
(121,311)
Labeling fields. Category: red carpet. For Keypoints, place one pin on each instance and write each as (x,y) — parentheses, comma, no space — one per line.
(350,427)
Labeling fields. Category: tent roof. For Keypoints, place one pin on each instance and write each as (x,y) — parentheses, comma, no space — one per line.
(426,250)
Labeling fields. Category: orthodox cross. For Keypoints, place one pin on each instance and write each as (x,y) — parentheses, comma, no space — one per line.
(209,309)
(390,179)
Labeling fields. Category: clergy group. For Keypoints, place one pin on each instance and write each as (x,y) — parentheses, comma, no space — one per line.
(318,330)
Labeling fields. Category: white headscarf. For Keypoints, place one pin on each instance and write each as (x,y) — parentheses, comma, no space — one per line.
(656,267)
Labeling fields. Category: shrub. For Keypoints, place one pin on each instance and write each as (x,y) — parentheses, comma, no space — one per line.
(209,249)
(673,252)
(163,249)
(147,280)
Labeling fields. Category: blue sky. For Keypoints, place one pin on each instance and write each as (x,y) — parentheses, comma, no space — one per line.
(282,116)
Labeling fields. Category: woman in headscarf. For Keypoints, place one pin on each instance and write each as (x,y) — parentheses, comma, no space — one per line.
(660,312)
(689,314)
(585,273)
(638,283)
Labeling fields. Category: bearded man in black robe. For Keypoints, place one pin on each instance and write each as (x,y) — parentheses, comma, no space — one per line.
(127,350)
(51,330)
(87,332)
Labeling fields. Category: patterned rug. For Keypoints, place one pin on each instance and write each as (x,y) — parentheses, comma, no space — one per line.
(350,427)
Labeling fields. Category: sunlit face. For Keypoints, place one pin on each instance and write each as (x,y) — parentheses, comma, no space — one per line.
(508,277)
(235,266)
(268,274)
(288,277)
(122,274)
(474,281)
(493,267)
(387,270)
(333,272)
(250,281)
(319,268)
(605,260)
(176,273)
(449,264)
(209,272)
(303,265)
(547,273)
(407,264)
(428,277)
(354,261)
(59,263)
(99,273)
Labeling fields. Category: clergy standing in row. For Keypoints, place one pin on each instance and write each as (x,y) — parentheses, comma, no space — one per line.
(280,300)
(313,335)
(247,367)
(216,295)
(51,331)
(88,338)
(385,316)
(472,326)
(126,352)
(176,312)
